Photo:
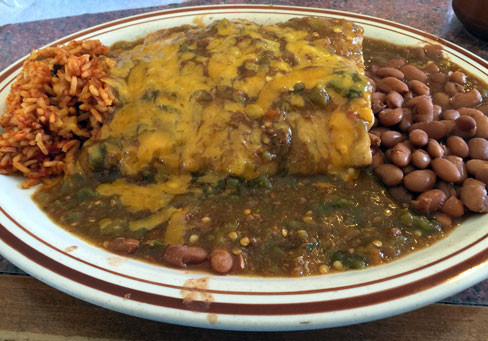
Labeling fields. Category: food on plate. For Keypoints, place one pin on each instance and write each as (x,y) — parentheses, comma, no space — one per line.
(262,149)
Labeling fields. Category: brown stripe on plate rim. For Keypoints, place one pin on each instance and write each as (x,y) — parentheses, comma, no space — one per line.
(274,309)
(152,14)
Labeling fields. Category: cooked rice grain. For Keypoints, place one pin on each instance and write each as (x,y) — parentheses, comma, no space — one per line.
(59,99)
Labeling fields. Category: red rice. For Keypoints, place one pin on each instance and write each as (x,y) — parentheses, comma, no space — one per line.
(59,99)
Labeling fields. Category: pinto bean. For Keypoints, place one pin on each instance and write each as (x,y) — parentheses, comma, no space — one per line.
(421,159)
(437,110)
(401,155)
(433,51)
(392,84)
(483,107)
(390,138)
(431,68)
(441,99)
(390,117)
(430,201)
(372,83)
(182,255)
(413,73)
(444,220)
(415,100)
(457,146)
(453,89)
(418,87)
(407,120)
(395,63)
(446,170)
(474,165)
(424,110)
(473,195)
(221,261)
(450,114)
(481,174)
(435,149)
(468,99)
(435,129)
(438,78)
(478,148)
(418,137)
(460,165)
(480,118)
(465,126)
(446,188)
(453,207)
(449,124)
(123,245)
(408,96)
(394,100)
(390,174)
(389,72)
(378,96)
(458,77)
(420,180)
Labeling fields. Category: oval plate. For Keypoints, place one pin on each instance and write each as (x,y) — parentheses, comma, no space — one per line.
(32,242)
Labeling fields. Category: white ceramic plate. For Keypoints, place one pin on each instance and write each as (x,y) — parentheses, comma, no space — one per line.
(35,244)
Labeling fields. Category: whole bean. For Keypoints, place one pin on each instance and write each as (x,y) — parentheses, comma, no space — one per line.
(480,118)
(181,255)
(394,100)
(450,114)
(481,174)
(478,148)
(392,84)
(221,261)
(483,107)
(453,207)
(416,100)
(460,165)
(390,117)
(407,120)
(378,96)
(377,106)
(389,72)
(418,137)
(444,220)
(390,174)
(473,195)
(453,89)
(435,149)
(458,77)
(433,51)
(401,155)
(395,62)
(123,245)
(457,146)
(417,52)
(474,165)
(424,110)
(420,159)
(431,68)
(378,158)
(446,170)
(418,87)
(390,138)
(420,180)
(430,201)
(413,73)
(465,126)
(441,99)
(438,78)
(435,129)
(468,99)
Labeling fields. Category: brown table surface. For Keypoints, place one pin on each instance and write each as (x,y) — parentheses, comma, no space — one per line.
(33,311)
